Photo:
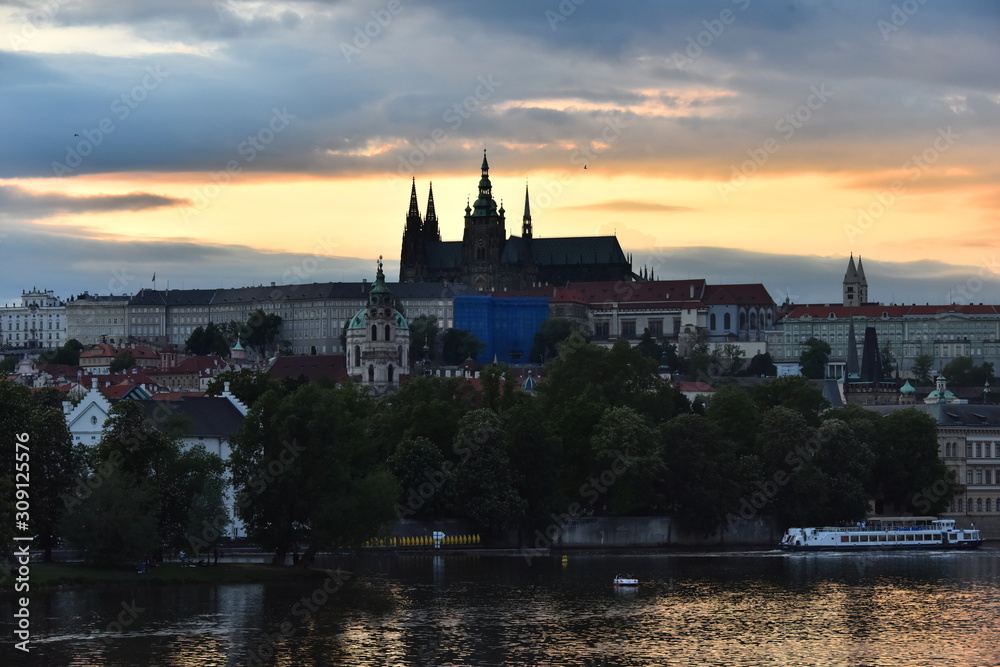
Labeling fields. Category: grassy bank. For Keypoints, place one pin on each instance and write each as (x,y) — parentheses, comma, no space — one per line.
(78,574)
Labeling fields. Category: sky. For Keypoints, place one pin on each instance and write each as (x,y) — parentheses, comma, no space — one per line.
(227,143)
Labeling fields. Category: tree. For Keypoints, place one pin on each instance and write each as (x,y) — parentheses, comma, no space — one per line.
(210,339)
(702,483)
(791,391)
(731,359)
(459,345)
(426,478)
(261,330)
(734,413)
(121,361)
(68,354)
(922,366)
(552,332)
(8,364)
(813,359)
(761,365)
(627,451)
(46,459)
(245,384)
(962,372)
(485,488)
(423,333)
(888,359)
(648,347)
(699,361)
(307,470)
(908,473)
(116,522)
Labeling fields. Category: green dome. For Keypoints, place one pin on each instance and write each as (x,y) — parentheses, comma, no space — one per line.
(907,389)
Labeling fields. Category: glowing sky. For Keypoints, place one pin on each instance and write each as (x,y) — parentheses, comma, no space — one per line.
(221,143)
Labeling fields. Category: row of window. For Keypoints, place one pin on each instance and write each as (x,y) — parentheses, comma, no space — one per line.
(982,476)
(981,505)
(981,449)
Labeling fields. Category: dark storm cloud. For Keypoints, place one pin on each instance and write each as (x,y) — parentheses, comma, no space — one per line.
(16,203)
(812,279)
(352,92)
(76,262)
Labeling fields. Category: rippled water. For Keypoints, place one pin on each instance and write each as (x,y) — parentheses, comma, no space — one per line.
(751,608)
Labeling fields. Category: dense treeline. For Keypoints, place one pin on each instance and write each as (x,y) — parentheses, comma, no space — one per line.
(604,435)
(317,466)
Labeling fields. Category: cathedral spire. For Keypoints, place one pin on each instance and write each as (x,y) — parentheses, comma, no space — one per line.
(413,215)
(526,225)
(431,222)
(485,205)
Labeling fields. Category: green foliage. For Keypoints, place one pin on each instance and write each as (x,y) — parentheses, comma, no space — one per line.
(425,477)
(922,366)
(304,463)
(703,482)
(458,345)
(730,359)
(909,475)
(648,347)
(485,486)
(627,450)
(553,332)
(116,523)
(791,391)
(762,366)
(245,384)
(423,332)
(47,459)
(8,364)
(813,359)
(68,354)
(209,339)
(121,361)
(963,372)
(698,362)
(733,412)
(888,359)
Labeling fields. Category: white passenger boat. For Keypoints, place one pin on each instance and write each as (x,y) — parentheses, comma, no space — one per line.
(884,533)
(626,581)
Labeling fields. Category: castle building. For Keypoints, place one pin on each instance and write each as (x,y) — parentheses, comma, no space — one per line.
(486,259)
(944,331)
(378,341)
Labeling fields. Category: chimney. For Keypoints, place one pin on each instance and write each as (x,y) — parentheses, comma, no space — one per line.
(692,290)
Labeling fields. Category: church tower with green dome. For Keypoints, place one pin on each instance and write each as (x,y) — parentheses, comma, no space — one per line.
(378,341)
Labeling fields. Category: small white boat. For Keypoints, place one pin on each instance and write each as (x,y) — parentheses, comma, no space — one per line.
(626,581)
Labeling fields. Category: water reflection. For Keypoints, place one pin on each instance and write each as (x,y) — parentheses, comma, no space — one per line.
(747,608)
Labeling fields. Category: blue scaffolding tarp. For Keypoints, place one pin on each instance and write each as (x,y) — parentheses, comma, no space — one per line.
(506,325)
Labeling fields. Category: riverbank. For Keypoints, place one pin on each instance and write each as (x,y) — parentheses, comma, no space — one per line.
(63,575)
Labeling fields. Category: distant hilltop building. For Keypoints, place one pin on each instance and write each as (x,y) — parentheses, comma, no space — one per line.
(906,331)
(486,259)
(855,284)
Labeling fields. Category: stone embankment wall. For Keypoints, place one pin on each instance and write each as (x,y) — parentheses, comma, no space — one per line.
(638,532)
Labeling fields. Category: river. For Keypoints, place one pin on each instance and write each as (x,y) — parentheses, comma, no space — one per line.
(691,608)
